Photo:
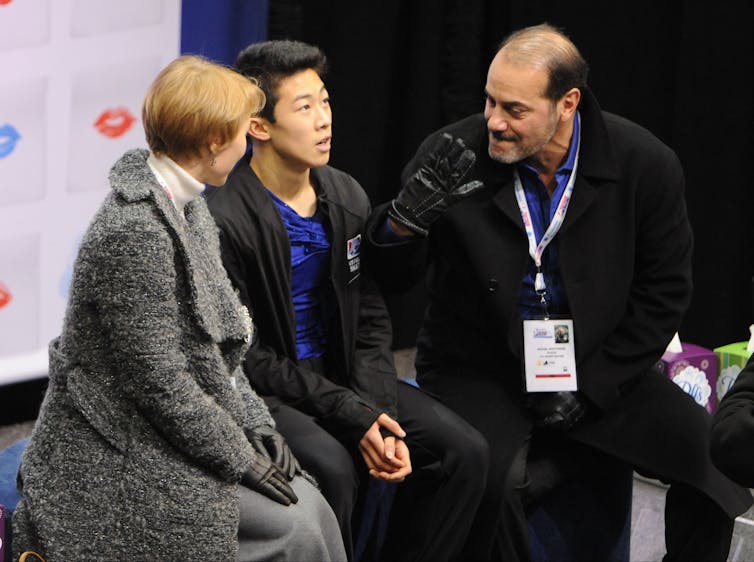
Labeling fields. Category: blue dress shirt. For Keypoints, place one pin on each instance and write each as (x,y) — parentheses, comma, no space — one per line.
(542,208)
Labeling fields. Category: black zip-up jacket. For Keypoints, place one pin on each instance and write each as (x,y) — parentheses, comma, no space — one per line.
(360,382)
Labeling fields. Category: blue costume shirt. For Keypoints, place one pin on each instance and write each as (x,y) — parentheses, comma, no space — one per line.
(310,264)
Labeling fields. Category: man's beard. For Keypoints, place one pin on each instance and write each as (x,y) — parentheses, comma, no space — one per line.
(519,151)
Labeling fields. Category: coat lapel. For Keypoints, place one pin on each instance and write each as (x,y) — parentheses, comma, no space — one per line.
(596,164)
(596,160)
(583,196)
(276,256)
(505,200)
(214,302)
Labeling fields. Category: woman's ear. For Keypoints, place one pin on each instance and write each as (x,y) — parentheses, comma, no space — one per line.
(214,145)
(259,129)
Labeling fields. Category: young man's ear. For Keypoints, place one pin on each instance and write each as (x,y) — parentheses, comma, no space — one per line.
(259,129)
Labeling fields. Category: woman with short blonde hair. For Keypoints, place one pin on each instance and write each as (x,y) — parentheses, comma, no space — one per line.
(194,99)
(148,424)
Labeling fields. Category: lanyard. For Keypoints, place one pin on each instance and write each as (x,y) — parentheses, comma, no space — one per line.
(536,250)
(165,188)
(163,184)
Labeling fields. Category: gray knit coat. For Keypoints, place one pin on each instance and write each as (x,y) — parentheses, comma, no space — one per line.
(140,442)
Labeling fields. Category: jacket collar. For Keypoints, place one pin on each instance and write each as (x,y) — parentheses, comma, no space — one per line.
(597,164)
(596,159)
(215,305)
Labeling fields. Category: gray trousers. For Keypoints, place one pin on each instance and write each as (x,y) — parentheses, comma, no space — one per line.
(304,531)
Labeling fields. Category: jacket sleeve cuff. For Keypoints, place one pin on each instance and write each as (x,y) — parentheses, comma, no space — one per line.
(358,417)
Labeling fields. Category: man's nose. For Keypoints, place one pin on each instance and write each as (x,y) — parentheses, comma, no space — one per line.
(497,122)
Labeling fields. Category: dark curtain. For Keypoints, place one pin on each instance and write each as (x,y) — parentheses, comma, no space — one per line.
(402,68)
(221,28)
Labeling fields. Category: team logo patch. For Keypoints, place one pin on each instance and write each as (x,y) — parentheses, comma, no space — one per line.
(352,254)
(353,247)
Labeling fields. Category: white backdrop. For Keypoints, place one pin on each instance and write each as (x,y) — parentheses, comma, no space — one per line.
(72,77)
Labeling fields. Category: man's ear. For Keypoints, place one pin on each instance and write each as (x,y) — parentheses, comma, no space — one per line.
(570,102)
(259,129)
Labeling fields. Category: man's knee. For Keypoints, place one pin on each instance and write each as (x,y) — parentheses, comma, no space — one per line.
(473,455)
(516,479)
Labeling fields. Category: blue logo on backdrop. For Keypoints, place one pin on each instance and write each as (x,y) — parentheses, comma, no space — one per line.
(9,136)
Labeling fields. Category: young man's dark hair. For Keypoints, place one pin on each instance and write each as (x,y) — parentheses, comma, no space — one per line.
(270,61)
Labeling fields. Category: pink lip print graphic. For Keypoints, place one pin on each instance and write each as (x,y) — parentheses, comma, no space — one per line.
(5,296)
(114,122)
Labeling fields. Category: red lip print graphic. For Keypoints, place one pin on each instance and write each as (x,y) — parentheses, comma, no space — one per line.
(5,296)
(4,2)
(114,122)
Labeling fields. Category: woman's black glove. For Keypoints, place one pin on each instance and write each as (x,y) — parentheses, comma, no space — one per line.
(556,410)
(435,186)
(266,478)
(271,444)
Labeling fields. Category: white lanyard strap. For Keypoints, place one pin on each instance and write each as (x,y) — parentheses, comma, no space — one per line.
(163,184)
(536,250)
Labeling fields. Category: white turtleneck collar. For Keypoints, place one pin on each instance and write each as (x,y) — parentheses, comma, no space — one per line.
(180,186)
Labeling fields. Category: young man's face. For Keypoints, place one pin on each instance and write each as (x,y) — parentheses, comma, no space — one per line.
(302,131)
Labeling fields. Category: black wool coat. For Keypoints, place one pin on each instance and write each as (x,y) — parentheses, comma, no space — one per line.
(625,255)
(733,429)
(360,381)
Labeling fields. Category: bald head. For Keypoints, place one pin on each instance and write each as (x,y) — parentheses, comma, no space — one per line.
(545,47)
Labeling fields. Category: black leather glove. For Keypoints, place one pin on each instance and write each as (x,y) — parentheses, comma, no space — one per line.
(556,410)
(266,478)
(435,186)
(269,443)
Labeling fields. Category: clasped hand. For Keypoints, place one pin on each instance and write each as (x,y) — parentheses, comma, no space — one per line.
(387,457)
(556,410)
(273,467)
(271,444)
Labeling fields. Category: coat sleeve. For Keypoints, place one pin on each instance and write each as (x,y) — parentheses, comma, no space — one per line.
(397,266)
(660,290)
(733,430)
(310,392)
(258,413)
(137,285)
(273,373)
(373,373)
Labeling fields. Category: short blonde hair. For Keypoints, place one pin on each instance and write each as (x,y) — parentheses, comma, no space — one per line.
(194,102)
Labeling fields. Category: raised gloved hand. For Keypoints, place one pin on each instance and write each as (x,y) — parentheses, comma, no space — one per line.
(271,444)
(437,184)
(266,478)
(556,410)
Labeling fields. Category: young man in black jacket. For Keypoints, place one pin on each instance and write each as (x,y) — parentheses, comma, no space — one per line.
(291,230)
